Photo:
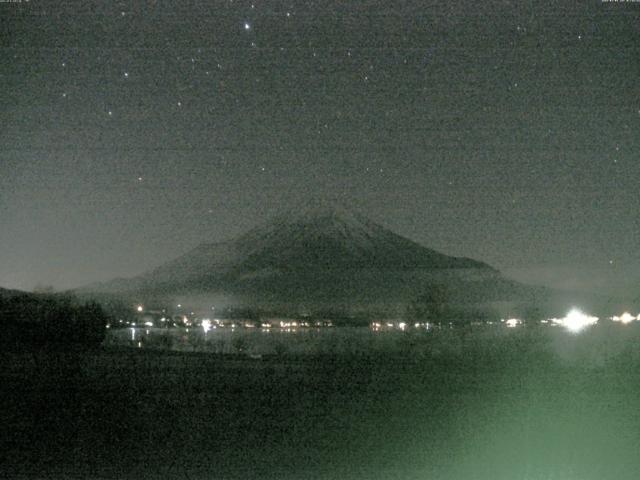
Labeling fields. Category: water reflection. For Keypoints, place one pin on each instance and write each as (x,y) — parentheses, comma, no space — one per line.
(380,337)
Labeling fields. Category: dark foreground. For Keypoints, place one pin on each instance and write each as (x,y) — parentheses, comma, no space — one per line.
(527,404)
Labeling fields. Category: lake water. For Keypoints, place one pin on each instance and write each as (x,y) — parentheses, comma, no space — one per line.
(459,404)
(594,346)
(259,341)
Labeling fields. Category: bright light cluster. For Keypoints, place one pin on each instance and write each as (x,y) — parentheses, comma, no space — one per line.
(575,321)
(290,324)
(206,325)
(513,322)
(392,325)
(625,318)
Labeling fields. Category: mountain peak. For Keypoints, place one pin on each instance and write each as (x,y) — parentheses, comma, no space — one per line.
(314,218)
(323,234)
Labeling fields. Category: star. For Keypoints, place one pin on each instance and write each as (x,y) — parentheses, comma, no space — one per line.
(110,113)
(126,74)
(247,26)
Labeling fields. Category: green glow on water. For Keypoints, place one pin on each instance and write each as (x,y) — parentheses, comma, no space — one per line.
(504,403)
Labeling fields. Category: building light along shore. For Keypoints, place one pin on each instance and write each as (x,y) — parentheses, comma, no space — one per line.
(575,321)
(512,322)
(625,318)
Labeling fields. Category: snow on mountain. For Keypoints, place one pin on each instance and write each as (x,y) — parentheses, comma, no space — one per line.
(328,236)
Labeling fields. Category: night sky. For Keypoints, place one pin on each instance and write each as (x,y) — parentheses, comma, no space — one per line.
(503,131)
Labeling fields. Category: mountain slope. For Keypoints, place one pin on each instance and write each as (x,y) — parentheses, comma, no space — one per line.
(321,255)
(332,238)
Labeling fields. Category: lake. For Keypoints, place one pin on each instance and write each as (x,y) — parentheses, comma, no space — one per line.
(488,403)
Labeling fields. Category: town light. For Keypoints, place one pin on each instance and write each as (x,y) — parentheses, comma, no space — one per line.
(513,322)
(576,321)
(625,318)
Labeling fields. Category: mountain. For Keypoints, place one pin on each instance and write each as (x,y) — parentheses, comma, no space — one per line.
(319,256)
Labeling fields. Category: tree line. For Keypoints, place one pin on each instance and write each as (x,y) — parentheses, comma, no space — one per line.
(50,321)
